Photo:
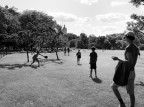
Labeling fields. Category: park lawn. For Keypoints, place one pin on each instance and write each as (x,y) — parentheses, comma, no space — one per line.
(63,83)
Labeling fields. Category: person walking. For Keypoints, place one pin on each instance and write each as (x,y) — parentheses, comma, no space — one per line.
(131,55)
(65,51)
(68,50)
(78,54)
(93,60)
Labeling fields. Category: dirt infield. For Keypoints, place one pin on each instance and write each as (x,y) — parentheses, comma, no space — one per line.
(63,83)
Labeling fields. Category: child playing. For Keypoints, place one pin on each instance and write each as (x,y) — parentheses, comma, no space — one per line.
(35,58)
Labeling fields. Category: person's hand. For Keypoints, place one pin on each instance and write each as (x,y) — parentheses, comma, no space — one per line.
(115,58)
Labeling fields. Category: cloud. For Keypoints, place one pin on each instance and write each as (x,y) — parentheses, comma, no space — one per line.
(111,17)
(87,2)
(118,3)
(78,28)
(104,24)
(141,8)
(63,17)
(67,17)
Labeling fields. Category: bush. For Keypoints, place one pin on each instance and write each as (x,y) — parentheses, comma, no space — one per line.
(142,47)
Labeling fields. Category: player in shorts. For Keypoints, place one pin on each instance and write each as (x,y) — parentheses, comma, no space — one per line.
(93,60)
(131,55)
(35,58)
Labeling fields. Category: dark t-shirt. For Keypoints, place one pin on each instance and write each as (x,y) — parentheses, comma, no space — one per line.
(78,54)
(134,51)
(35,56)
(93,57)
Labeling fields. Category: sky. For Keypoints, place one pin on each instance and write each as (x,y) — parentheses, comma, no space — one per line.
(98,17)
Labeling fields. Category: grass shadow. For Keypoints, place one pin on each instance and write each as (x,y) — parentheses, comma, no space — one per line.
(34,66)
(97,80)
(57,61)
(140,84)
(14,66)
(79,64)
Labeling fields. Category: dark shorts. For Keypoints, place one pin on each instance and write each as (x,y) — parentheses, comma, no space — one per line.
(35,59)
(93,66)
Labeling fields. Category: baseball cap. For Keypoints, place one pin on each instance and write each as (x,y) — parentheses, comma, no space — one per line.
(92,47)
(130,35)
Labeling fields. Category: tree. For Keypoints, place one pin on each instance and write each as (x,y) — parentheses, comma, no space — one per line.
(56,38)
(72,43)
(107,44)
(92,41)
(36,27)
(71,36)
(100,42)
(137,2)
(9,25)
(84,39)
(80,44)
(137,27)
(112,39)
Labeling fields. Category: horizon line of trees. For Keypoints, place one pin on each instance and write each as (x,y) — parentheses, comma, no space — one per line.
(33,29)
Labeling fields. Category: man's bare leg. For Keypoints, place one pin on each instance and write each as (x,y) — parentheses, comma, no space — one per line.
(95,73)
(117,94)
(91,73)
(132,99)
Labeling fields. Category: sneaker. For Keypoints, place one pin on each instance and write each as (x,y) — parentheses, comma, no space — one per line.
(121,105)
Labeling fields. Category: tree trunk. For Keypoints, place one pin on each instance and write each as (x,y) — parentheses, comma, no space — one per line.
(57,54)
(27,55)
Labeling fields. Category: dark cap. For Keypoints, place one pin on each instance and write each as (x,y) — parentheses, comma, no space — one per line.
(130,35)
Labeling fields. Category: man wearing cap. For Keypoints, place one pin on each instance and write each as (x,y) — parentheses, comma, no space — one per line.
(131,55)
(93,60)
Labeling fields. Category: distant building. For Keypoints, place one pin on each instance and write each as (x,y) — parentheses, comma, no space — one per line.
(64,29)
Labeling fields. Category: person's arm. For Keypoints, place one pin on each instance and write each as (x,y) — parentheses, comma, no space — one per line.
(116,58)
(96,57)
(90,59)
(129,58)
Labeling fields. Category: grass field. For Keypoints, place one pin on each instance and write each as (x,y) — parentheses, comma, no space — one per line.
(63,83)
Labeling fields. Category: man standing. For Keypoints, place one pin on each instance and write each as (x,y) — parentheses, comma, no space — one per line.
(93,60)
(131,55)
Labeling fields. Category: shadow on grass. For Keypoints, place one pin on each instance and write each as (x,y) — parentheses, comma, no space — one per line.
(97,80)
(13,66)
(140,84)
(57,61)
(79,64)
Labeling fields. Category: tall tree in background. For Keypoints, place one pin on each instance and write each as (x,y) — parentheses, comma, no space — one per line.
(9,26)
(138,26)
(92,41)
(84,39)
(37,27)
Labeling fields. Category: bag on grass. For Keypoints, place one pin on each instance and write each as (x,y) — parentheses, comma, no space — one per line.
(122,72)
